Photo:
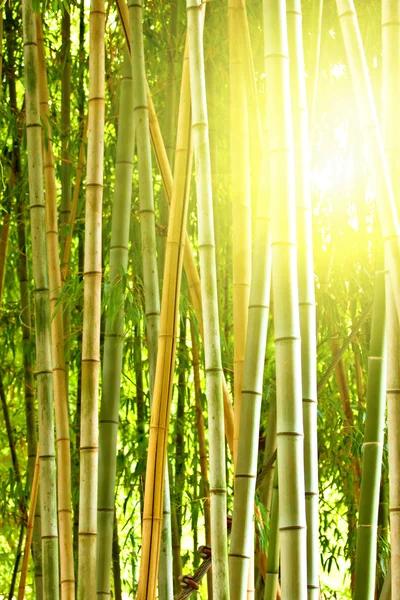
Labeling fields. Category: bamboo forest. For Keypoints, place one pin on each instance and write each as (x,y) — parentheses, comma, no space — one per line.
(200,299)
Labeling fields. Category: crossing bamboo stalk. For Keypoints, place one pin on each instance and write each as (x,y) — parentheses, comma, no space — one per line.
(292,516)
(212,348)
(67,577)
(156,458)
(42,311)
(189,262)
(91,310)
(375,154)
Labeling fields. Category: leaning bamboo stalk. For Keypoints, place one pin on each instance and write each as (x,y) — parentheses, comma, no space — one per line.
(212,348)
(113,344)
(92,310)
(5,230)
(307,308)
(29,527)
(189,262)
(252,389)
(67,576)
(166,352)
(42,306)
(391,132)
(292,516)
(372,449)
(376,159)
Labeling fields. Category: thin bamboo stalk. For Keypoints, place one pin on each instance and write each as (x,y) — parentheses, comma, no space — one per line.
(91,310)
(314,56)
(375,154)
(57,338)
(372,449)
(5,230)
(189,262)
(156,458)
(307,309)
(29,527)
(391,129)
(42,305)
(212,349)
(114,336)
(272,576)
(292,516)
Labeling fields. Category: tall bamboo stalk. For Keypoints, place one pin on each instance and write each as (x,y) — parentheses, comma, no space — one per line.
(212,350)
(307,309)
(272,576)
(252,389)
(42,308)
(292,517)
(113,345)
(189,260)
(158,438)
(91,310)
(372,449)
(241,212)
(391,132)
(57,329)
(375,154)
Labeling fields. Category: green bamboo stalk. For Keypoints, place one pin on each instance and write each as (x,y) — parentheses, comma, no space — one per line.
(375,154)
(391,132)
(252,389)
(372,449)
(213,365)
(113,345)
(91,310)
(272,575)
(314,56)
(307,309)
(57,335)
(42,307)
(292,517)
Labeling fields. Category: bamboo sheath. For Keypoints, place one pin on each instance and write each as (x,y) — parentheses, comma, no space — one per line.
(307,309)
(152,515)
(391,133)
(372,449)
(114,335)
(189,260)
(41,291)
(212,348)
(376,159)
(67,577)
(91,310)
(292,517)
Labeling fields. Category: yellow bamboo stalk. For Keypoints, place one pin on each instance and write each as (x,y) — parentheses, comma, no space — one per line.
(67,580)
(92,309)
(160,412)
(189,262)
(29,527)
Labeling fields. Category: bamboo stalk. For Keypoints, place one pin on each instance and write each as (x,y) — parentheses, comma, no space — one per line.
(114,336)
(376,159)
(156,458)
(372,449)
(57,338)
(91,310)
(189,262)
(212,349)
(292,517)
(307,308)
(272,576)
(42,304)
(29,527)
(391,129)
